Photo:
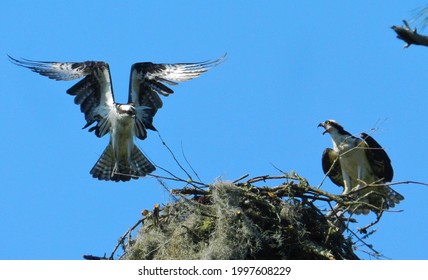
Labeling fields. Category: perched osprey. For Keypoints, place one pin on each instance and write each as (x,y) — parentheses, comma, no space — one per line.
(359,163)
(122,159)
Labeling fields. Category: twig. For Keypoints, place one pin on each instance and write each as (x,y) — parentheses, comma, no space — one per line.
(403,182)
(188,163)
(366,244)
(339,218)
(364,229)
(187,191)
(277,168)
(240,178)
(376,255)
(269,177)
(327,173)
(173,156)
(177,179)
(94,258)
(123,237)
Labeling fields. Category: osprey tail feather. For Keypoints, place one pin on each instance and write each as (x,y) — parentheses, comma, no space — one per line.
(108,169)
(381,198)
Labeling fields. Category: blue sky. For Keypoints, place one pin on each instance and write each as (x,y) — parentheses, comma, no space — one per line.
(290,66)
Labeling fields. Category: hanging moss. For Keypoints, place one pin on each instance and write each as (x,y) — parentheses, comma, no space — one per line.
(240,221)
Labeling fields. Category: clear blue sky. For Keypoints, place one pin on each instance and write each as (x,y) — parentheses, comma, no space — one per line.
(290,66)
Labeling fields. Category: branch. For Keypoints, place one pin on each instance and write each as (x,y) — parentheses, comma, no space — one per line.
(173,156)
(240,178)
(123,237)
(188,163)
(405,182)
(410,36)
(189,191)
(269,177)
(195,184)
(94,258)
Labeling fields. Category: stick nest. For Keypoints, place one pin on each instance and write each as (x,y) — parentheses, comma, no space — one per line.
(240,221)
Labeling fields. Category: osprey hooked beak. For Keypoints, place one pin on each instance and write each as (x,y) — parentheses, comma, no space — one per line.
(323,125)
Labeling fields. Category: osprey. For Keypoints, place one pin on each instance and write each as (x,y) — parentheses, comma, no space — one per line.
(360,166)
(121,159)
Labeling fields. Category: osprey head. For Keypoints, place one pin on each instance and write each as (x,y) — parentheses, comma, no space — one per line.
(330,126)
(128,109)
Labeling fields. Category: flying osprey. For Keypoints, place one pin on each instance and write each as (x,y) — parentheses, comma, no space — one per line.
(357,163)
(122,159)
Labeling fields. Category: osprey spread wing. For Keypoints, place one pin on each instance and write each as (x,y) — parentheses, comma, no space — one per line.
(360,166)
(122,159)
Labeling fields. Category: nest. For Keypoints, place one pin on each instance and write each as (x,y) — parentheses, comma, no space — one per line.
(226,221)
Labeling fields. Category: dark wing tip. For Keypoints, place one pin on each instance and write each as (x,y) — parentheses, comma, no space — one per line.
(222,58)
(18,62)
(379,155)
(28,62)
(208,64)
(213,63)
(11,59)
(40,67)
